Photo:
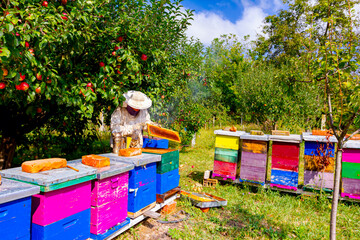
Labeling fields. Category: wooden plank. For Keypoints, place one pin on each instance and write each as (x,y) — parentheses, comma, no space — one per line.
(351,155)
(140,218)
(350,170)
(311,164)
(253,159)
(313,148)
(351,186)
(225,168)
(291,164)
(280,133)
(254,146)
(160,198)
(286,178)
(256,132)
(319,179)
(228,142)
(141,211)
(253,173)
(283,149)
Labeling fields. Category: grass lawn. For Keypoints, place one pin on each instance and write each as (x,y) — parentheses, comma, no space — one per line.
(252,213)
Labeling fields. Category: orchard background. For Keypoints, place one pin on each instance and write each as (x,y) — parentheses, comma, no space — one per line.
(64,66)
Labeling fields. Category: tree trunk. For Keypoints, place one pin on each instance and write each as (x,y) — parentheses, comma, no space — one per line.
(336,191)
(8,147)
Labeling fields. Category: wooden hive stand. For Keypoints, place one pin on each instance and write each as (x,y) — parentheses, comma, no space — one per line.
(160,198)
(210,182)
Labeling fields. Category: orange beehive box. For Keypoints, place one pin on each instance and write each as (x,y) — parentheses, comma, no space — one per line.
(95,161)
(35,166)
(163,133)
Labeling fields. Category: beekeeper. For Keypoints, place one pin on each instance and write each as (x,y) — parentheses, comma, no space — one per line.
(131,119)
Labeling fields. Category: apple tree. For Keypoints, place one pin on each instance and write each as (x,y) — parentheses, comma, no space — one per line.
(62,62)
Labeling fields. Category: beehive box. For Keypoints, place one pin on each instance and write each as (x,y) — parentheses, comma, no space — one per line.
(227,153)
(109,196)
(254,158)
(167,181)
(169,159)
(285,161)
(64,199)
(142,180)
(154,142)
(317,176)
(15,209)
(351,170)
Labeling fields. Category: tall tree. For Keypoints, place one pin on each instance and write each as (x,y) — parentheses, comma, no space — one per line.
(63,60)
(320,39)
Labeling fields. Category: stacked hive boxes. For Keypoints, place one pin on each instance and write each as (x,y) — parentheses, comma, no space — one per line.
(154,142)
(351,170)
(62,209)
(254,158)
(142,182)
(167,170)
(227,151)
(285,161)
(319,152)
(109,198)
(15,209)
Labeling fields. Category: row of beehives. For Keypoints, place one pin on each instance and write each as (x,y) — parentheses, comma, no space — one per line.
(92,203)
(239,155)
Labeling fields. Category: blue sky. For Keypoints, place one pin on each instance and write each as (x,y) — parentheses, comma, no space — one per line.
(241,17)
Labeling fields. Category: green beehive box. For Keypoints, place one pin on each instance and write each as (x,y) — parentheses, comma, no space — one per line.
(169,159)
(226,155)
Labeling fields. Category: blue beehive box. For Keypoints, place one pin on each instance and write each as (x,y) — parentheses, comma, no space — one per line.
(65,229)
(15,209)
(167,181)
(142,187)
(155,142)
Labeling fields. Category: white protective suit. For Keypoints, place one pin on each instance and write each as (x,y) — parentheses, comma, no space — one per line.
(130,126)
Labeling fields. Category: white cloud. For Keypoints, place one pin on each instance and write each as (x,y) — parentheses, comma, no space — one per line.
(208,25)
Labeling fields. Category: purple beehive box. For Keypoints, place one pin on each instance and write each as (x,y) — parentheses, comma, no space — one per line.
(109,196)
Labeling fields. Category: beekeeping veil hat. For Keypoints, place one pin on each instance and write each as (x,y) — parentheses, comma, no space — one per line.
(137,100)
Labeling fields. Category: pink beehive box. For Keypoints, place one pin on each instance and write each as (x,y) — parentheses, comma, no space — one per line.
(109,196)
(49,207)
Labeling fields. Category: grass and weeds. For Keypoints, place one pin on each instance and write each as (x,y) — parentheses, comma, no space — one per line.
(251,212)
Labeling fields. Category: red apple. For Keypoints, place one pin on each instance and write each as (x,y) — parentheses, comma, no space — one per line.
(119,72)
(2,85)
(64,18)
(102,64)
(27,45)
(38,110)
(144,57)
(18,87)
(113,53)
(44,3)
(22,77)
(17,34)
(39,76)
(116,48)
(48,80)
(24,86)
(63,2)
(120,39)
(89,84)
(38,90)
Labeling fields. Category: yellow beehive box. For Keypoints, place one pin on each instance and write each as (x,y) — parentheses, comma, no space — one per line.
(228,142)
